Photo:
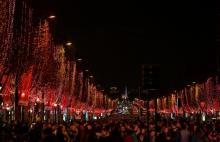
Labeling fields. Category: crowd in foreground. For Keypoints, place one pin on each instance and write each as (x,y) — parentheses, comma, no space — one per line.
(110,130)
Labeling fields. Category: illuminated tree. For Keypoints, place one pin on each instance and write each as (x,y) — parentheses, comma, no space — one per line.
(7,8)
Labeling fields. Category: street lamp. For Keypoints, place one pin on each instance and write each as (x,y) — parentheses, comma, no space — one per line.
(69,43)
(52,17)
(79,59)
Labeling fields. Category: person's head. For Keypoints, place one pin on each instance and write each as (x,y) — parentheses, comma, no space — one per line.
(165,130)
(122,128)
(136,128)
(178,125)
(143,131)
(89,127)
(73,128)
(63,129)
(152,133)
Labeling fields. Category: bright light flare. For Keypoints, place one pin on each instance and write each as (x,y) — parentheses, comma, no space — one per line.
(79,59)
(0,86)
(52,17)
(69,43)
(23,95)
(38,100)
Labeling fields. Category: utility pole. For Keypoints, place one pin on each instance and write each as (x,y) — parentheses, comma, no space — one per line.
(16,98)
(43,106)
(139,97)
(155,111)
(217,63)
(151,92)
(148,116)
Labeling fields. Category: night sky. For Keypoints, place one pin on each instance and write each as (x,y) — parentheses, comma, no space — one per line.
(115,38)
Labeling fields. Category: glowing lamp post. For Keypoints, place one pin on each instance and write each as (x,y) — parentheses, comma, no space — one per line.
(22,111)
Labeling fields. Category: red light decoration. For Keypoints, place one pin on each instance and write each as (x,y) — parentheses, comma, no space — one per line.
(6,30)
(25,87)
(202,104)
(80,77)
(43,73)
(199,97)
(22,95)
(6,92)
(64,101)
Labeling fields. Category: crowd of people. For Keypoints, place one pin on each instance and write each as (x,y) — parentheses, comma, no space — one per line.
(110,130)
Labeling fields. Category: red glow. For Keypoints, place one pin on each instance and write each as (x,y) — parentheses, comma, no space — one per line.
(25,87)
(22,95)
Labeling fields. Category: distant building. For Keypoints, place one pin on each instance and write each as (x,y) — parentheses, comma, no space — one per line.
(150,80)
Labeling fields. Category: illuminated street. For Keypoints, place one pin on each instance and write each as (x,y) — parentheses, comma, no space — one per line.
(73,71)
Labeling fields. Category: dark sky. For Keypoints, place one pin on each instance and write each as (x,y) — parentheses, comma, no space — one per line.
(117,37)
